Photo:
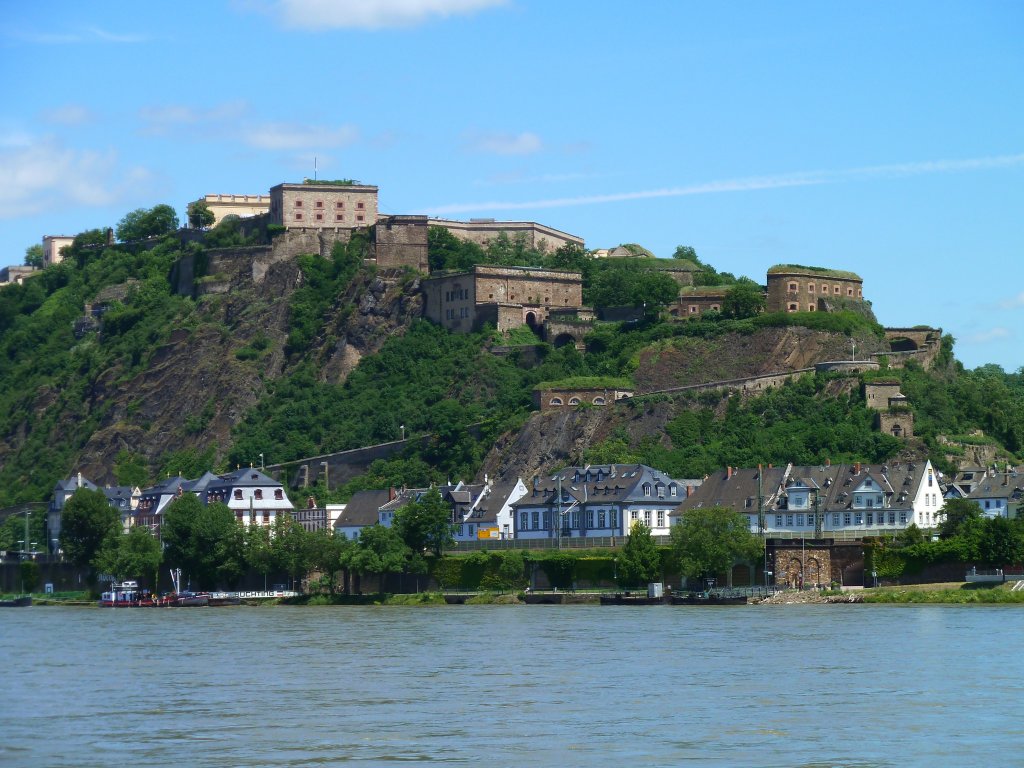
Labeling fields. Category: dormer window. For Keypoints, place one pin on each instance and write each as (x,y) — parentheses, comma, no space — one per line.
(238,493)
(647,490)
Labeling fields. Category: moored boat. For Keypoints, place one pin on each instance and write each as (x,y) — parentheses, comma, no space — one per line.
(17,602)
(708,598)
(626,598)
(127,595)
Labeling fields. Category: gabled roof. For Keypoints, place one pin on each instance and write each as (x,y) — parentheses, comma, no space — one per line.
(492,502)
(245,477)
(362,508)
(72,484)
(169,485)
(602,483)
(737,490)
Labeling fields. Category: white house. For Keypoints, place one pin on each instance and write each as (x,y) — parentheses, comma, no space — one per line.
(254,497)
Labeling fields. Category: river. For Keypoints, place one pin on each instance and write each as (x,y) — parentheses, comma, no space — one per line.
(558,686)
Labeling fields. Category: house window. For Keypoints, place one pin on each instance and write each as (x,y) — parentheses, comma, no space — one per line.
(574,519)
(574,401)
(672,490)
(598,401)
(278,494)
(647,490)
(800,520)
(647,518)
(259,494)
(266,517)
(835,521)
(871,518)
(536,520)
(238,493)
(778,521)
(613,518)
(298,217)
(903,518)
(547,521)
(846,518)
(892,518)
(810,519)
(857,518)
(661,518)
(600,518)
(789,521)
(634,515)
(524,520)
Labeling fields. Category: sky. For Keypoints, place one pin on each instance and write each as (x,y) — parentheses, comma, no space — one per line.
(882,138)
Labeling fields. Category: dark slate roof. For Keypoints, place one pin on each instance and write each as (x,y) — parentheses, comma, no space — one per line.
(246,477)
(119,496)
(71,484)
(169,485)
(362,508)
(737,492)
(490,505)
(597,483)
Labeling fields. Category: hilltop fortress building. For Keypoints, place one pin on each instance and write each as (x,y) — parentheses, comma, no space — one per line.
(793,288)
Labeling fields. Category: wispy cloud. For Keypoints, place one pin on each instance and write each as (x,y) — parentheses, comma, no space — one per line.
(280,136)
(69,114)
(43,174)
(71,37)
(749,184)
(317,15)
(166,118)
(541,178)
(992,334)
(1014,302)
(504,143)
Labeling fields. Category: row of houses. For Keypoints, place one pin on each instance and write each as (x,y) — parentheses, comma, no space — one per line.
(605,501)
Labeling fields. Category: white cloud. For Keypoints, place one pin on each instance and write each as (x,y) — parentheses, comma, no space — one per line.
(276,136)
(69,114)
(992,334)
(162,119)
(1014,302)
(373,14)
(505,143)
(45,175)
(750,184)
(87,35)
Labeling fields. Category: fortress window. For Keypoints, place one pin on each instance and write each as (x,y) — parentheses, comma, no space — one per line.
(598,400)
(339,217)
(556,401)
(319,217)
(360,206)
(860,293)
(792,286)
(319,203)
(340,206)
(793,307)
(810,287)
(835,290)
(693,309)
(298,217)
(715,307)
(360,217)
(849,291)
(298,203)
(810,307)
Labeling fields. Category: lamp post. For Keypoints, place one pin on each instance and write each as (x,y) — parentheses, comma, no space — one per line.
(402,427)
(262,467)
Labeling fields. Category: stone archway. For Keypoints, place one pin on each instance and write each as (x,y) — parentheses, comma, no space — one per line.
(793,572)
(812,574)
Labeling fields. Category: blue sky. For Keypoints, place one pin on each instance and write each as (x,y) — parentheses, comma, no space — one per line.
(883,138)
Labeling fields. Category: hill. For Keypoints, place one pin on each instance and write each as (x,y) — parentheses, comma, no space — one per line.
(128,362)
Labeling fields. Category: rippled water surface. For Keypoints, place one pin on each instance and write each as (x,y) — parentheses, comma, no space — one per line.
(513,686)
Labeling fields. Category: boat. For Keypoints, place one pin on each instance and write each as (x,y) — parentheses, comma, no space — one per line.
(127,595)
(219,599)
(189,599)
(708,598)
(17,602)
(626,598)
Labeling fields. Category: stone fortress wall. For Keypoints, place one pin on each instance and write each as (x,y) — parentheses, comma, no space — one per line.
(808,289)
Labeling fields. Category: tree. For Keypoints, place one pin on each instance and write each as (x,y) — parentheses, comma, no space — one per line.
(289,542)
(379,550)
(258,551)
(201,539)
(687,253)
(34,256)
(630,284)
(744,299)
(199,215)
(425,524)
(325,555)
(708,541)
(136,554)
(957,515)
(1002,542)
(143,223)
(87,522)
(639,561)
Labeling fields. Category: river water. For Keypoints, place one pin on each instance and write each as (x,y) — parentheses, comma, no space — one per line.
(790,685)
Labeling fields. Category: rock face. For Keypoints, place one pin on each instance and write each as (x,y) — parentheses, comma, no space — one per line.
(197,386)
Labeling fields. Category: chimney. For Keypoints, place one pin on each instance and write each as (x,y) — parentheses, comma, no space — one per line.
(728,473)
(391,493)
(828,462)
(769,465)
(689,491)
(856,468)
(79,479)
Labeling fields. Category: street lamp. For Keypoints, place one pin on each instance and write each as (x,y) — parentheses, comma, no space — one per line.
(261,463)
(402,427)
